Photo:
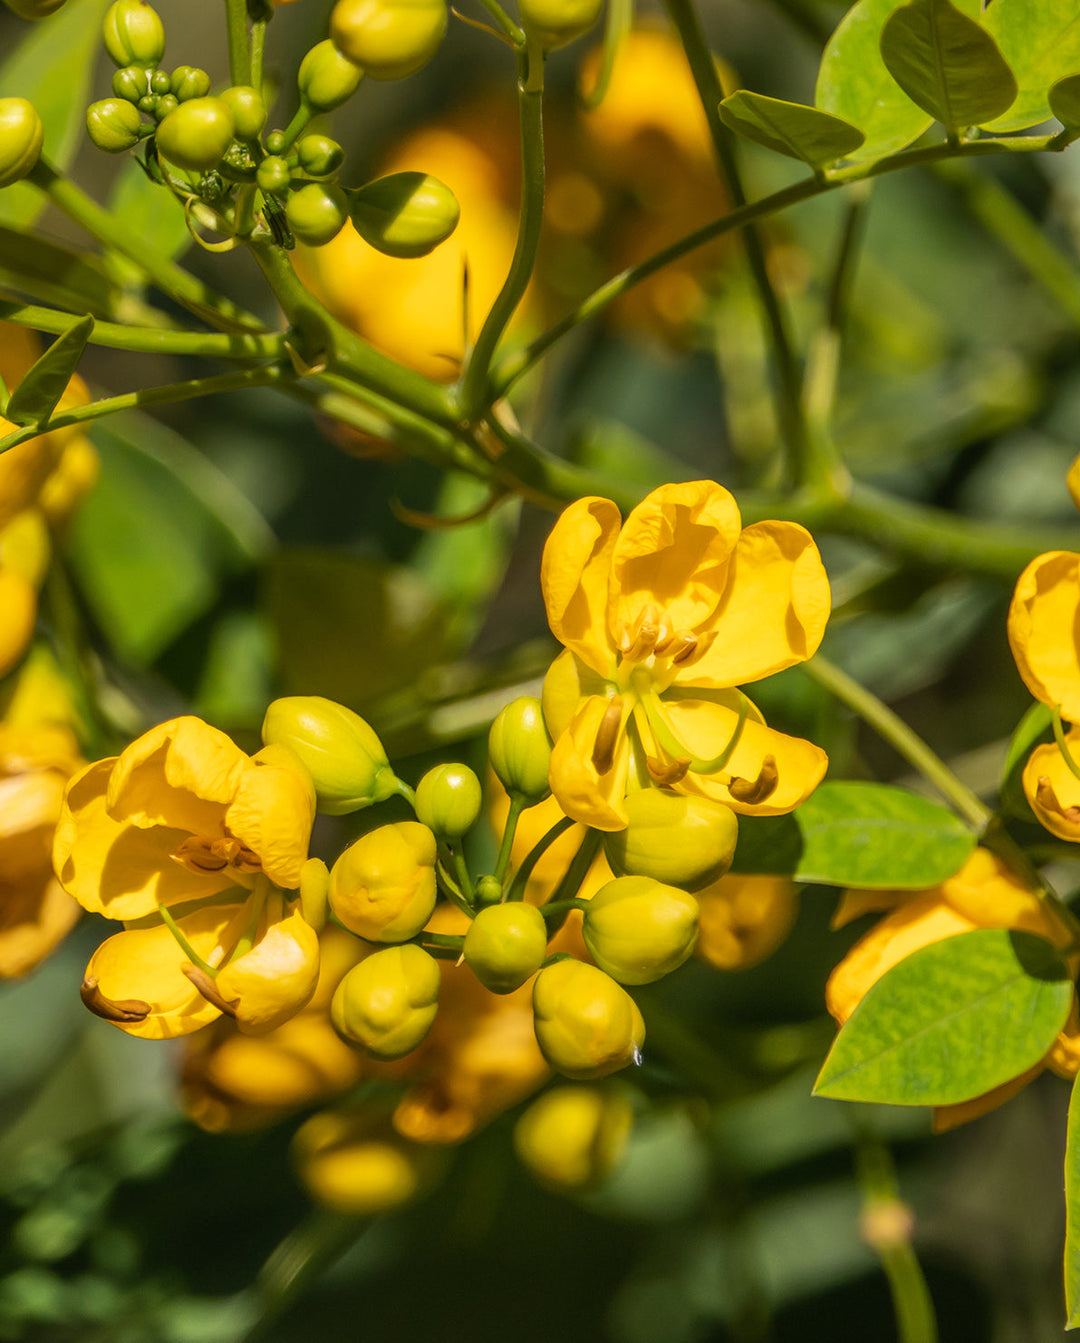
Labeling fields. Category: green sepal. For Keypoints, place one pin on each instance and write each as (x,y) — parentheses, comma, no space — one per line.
(814,137)
(36,396)
(1036,727)
(1040,39)
(947,63)
(1064,101)
(1072,1212)
(951,1021)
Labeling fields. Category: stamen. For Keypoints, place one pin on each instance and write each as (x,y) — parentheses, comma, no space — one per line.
(204,856)
(752,791)
(667,775)
(112,1009)
(607,736)
(208,989)
(681,647)
(638,643)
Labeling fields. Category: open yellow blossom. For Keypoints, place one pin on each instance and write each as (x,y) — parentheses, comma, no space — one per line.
(983,894)
(661,620)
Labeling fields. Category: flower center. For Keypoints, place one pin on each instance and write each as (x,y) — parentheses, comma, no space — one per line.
(203,855)
(654,643)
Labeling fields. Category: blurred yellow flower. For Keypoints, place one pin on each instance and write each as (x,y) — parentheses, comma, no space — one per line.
(743,919)
(661,620)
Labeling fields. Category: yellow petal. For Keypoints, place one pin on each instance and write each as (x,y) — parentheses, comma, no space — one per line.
(1043,630)
(743,919)
(673,553)
(853,904)
(992,896)
(275,979)
(594,798)
(1053,790)
(272,814)
(117,869)
(36,914)
(773,610)
(574,576)
(181,774)
(567,683)
(18,615)
(1072,480)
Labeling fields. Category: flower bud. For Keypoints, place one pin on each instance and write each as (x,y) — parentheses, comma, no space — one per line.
(319,156)
(34,9)
(133,33)
(586,1025)
(388,38)
(489,890)
(639,930)
(316,213)
(342,754)
(315,893)
(196,134)
(405,214)
(519,748)
(131,83)
(572,1138)
(18,601)
(387,1003)
(684,841)
(554,23)
(273,176)
(353,1163)
(166,103)
(448,800)
(383,887)
(113,125)
(326,79)
(161,83)
(25,547)
(248,111)
(275,979)
(505,944)
(743,919)
(21,138)
(186,82)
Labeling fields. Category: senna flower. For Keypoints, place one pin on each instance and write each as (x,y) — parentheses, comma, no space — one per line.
(661,620)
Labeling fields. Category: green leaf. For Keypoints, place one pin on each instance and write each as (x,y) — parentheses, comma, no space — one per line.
(36,396)
(857,834)
(951,1021)
(154,213)
(1040,39)
(817,138)
(947,63)
(49,273)
(1064,101)
(53,67)
(1072,1212)
(1035,727)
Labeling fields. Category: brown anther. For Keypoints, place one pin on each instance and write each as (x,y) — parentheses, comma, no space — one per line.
(683,647)
(208,989)
(752,791)
(607,736)
(1048,800)
(203,856)
(667,775)
(112,1009)
(638,643)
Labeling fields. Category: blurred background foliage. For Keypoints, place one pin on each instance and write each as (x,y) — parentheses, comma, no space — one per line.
(239,548)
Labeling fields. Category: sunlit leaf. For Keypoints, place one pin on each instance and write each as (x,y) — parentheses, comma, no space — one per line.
(152,212)
(1040,39)
(1064,101)
(804,133)
(952,1021)
(36,396)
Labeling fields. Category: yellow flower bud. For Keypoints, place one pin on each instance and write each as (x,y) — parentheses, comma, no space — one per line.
(743,919)
(554,23)
(571,1138)
(383,887)
(586,1025)
(506,944)
(18,601)
(275,979)
(519,748)
(133,33)
(326,78)
(387,1003)
(354,1163)
(681,840)
(75,474)
(342,754)
(639,930)
(25,548)
(21,138)
(315,892)
(448,800)
(388,38)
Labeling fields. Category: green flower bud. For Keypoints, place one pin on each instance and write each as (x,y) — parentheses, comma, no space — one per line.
(383,886)
(448,799)
(196,134)
(161,83)
(340,751)
(388,38)
(488,890)
(638,929)
(148,103)
(187,82)
(326,79)
(586,1025)
(506,944)
(554,23)
(166,103)
(273,177)
(34,9)
(248,111)
(275,142)
(355,1164)
(319,156)
(314,893)
(404,215)
(130,83)
(113,125)
(572,1138)
(387,1003)
(133,33)
(519,748)
(21,137)
(316,213)
(684,841)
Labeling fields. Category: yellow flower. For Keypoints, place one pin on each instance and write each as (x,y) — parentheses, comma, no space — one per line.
(983,894)
(743,919)
(661,620)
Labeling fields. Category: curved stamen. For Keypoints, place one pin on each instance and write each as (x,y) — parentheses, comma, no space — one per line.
(670,740)
(112,1009)
(752,791)
(607,736)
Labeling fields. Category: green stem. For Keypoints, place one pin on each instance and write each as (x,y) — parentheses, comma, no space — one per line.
(236,21)
(461,870)
(568,888)
(1063,745)
(184,945)
(444,941)
(524,872)
(558,908)
(517,806)
(506,24)
(892,728)
(113,233)
(258,45)
(475,392)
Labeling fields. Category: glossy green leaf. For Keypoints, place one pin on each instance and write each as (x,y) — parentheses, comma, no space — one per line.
(47,272)
(1072,1212)
(151,211)
(951,1021)
(1035,727)
(857,834)
(947,63)
(36,396)
(1040,39)
(53,66)
(1064,101)
(805,133)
